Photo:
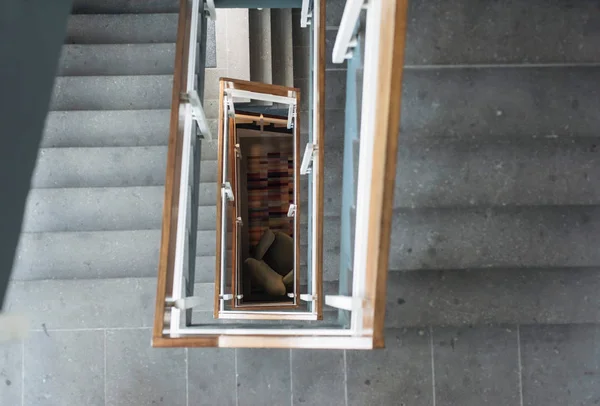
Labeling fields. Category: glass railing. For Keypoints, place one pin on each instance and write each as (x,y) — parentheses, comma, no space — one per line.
(350,166)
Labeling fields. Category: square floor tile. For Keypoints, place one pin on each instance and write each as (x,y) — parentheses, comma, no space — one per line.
(318,377)
(211,373)
(476,366)
(263,377)
(560,364)
(400,374)
(11,373)
(137,374)
(64,368)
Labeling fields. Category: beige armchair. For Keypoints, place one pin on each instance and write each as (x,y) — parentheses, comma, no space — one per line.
(272,267)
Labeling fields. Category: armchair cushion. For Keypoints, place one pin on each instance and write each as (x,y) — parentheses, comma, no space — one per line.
(264,276)
(280,255)
(264,244)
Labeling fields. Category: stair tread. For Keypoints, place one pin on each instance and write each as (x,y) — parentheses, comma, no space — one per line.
(122,28)
(97,209)
(100,303)
(112,92)
(123,7)
(497,103)
(516,296)
(522,171)
(116,59)
(484,237)
(107,167)
(112,128)
(450,32)
(97,254)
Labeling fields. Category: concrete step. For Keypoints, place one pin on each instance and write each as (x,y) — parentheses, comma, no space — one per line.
(450,32)
(261,62)
(124,7)
(502,102)
(107,167)
(122,28)
(101,209)
(119,254)
(125,128)
(101,303)
(493,296)
(112,92)
(505,237)
(106,128)
(47,254)
(85,304)
(282,47)
(521,171)
(116,59)
(99,254)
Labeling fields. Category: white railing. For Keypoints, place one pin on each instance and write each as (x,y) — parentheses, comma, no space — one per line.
(305,14)
(193,112)
(359,307)
(344,41)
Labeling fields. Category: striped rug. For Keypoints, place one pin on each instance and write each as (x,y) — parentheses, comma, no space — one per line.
(270,192)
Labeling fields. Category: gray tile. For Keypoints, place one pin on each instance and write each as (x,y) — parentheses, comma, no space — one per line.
(334,11)
(335,89)
(460,297)
(476,366)
(501,103)
(137,374)
(330,36)
(63,304)
(211,373)
(453,32)
(300,36)
(560,365)
(302,84)
(11,379)
(318,377)
(263,377)
(334,130)
(400,374)
(302,63)
(64,367)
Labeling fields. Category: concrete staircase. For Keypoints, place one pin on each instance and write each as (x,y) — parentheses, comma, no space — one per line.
(94,213)
(95,208)
(495,209)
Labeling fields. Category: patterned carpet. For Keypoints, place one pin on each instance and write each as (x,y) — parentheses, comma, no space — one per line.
(270,192)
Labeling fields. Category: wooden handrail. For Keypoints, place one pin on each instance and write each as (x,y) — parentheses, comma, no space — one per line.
(174,155)
(319,138)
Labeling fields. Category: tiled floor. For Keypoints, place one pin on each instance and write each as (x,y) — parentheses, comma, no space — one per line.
(483,365)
